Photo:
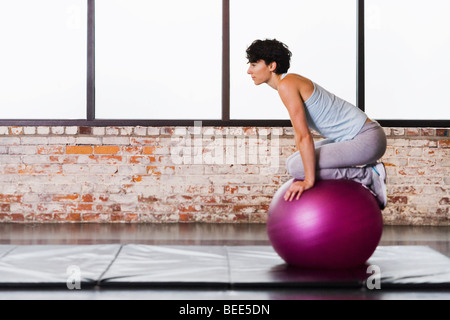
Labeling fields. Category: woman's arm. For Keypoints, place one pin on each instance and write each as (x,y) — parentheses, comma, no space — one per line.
(290,95)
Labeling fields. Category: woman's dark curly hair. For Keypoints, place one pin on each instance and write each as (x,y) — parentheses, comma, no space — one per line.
(270,51)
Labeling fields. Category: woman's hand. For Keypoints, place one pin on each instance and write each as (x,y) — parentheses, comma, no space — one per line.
(296,189)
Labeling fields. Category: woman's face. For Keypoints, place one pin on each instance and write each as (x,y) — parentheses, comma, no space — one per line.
(260,72)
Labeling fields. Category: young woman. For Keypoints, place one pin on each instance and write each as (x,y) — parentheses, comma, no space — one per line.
(353,143)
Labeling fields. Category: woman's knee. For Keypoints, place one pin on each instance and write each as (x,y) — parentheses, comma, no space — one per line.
(377,144)
(378,148)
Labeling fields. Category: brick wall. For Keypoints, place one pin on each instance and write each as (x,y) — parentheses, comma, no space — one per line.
(418,165)
(196,174)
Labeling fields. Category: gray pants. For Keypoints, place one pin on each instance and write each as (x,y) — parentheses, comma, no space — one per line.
(347,159)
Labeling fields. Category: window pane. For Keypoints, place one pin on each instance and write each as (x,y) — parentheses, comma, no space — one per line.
(158,59)
(321,35)
(407,59)
(43,59)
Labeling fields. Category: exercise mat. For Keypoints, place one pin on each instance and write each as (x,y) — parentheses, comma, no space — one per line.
(143,265)
(224,267)
(44,265)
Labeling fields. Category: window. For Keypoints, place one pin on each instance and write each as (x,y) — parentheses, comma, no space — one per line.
(323,44)
(158,59)
(407,59)
(43,59)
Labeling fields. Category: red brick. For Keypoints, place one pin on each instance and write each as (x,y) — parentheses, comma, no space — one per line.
(231,189)
(73,217)
(79,150)
(80,207)
(149,150)
(444,143)
(412,131)
(398,199)
(116,207)
(106,150)
(124,217)
(186,217)
(87,198)
(427,132)
(92,217)
(6,198)
(130,217)
(85,130)
(5,207)
(70,197)
(17,217)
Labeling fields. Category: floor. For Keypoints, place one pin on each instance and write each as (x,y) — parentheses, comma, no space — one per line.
(437,238)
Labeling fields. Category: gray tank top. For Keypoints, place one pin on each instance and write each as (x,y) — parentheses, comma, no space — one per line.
(331,116)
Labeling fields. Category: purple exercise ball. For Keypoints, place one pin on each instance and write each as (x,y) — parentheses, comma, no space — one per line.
(336,224)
